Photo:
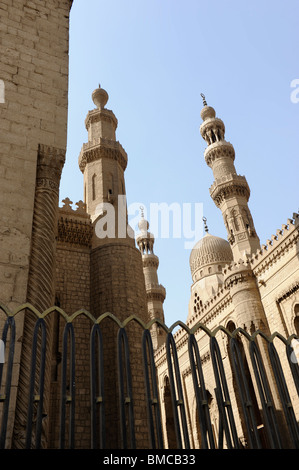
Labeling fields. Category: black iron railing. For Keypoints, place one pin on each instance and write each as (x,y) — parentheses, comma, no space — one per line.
(243,357)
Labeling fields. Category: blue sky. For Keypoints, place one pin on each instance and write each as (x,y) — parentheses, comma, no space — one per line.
(154,58)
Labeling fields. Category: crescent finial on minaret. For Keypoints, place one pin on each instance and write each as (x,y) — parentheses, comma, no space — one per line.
(205,224)
(203,99)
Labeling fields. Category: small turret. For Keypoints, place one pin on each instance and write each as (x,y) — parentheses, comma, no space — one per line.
(155,292)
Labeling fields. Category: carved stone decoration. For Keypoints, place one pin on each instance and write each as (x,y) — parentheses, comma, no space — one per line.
(76,232)
(40,292)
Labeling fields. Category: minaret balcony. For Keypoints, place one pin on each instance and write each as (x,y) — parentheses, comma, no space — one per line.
(155,292)
(229,186)
(102,148)
(150,260)
(219,149)
(212,129)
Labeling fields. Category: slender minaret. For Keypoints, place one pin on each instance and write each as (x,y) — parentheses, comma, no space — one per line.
(155,292)
(230,191)
(103,161)
(116,273)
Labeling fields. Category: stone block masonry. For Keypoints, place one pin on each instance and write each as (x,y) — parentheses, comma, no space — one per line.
(34,69)
(117,286)
(34,39)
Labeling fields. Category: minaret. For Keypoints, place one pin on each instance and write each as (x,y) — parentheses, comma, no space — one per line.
(116,273)
(103,162)
(155,292)
(230,191)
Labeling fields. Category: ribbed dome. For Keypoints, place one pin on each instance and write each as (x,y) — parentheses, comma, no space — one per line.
(208,251)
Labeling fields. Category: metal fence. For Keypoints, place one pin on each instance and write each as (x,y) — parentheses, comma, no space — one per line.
(227,435)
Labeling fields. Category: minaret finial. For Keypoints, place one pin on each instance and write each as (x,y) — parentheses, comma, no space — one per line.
(205,224)
(203,99)
(142,211)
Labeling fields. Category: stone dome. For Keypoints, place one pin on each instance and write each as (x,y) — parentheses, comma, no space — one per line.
(208,251)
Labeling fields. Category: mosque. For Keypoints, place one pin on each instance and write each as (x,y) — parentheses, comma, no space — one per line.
(77,261)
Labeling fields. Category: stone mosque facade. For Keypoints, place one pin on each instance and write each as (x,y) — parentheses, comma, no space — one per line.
(52,255)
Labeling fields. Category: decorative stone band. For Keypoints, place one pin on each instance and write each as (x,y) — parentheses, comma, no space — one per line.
(50,161)
(155,292)
(238,273)
(217,150)
(229,186)
(74,231)
(206,259)
(102,148)
(150,260)
(290,291)
(97,115)
(210,127)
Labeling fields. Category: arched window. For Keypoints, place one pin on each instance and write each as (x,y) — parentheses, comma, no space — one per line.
(93,186)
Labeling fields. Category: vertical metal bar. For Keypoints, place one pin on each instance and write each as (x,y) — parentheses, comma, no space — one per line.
(222,395)
(36,398)
(152,398)
(40,324)
(176,393)
(125,400)
(291,421)
(265,397)
(10,323)
(97,388)
(246,402)
(200,395)
(65,397)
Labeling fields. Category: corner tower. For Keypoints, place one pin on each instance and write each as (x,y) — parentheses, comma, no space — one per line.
(230,191)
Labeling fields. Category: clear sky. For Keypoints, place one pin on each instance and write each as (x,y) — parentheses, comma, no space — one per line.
(154,58)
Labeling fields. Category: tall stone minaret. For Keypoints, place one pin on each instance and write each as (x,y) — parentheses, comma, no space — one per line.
(116,272)
(103,162)
(155,292)
(230,191)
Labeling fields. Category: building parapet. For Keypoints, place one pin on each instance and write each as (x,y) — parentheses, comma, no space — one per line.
(276,246)
(74,226)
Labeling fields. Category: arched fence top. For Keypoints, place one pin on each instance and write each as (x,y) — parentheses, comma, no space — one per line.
(70,360)
(147,326)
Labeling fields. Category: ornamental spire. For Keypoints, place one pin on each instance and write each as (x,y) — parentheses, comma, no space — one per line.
(203,99)
(205,224)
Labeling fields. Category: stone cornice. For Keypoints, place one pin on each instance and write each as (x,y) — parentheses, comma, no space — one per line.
(155,292)
(276,247)
(50,161)
(150,260)
(288,292)
(97,115)
(74,226)
(102,148)
(228,186)
(218,149)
